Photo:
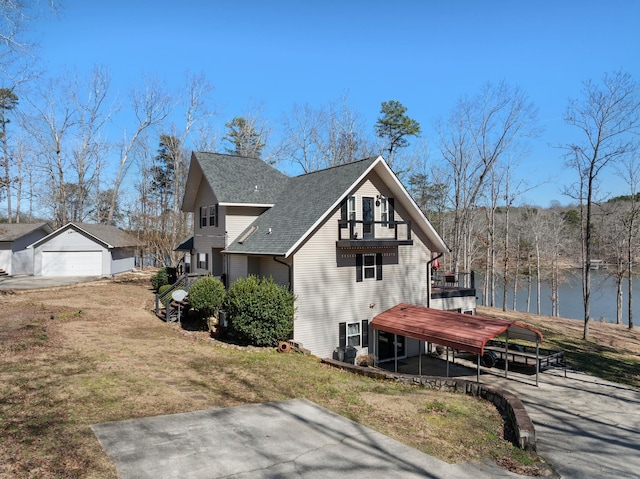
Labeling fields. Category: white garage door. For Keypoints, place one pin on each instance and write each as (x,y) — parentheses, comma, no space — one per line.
(71,263)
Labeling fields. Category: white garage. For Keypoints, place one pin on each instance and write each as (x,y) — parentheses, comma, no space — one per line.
(71,263)
(80,249)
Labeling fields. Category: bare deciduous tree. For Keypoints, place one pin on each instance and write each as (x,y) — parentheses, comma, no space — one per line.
(605,116)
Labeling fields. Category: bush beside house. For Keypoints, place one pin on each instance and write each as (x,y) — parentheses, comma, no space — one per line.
(160,279)
(206,296)
(260,311)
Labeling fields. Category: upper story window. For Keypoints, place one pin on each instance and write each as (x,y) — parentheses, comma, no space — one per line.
(384,211)
(203,216)
(351,208)
(208,216)
(213,217)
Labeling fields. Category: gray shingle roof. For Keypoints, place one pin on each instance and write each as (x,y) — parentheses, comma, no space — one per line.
(302,202)
(13,231)
(110,235)
(238,179)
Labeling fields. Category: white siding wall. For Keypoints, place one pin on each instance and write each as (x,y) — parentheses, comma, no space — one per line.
(208,237)
(328,294)
(238,218)
(5,258)
(237,265)
(122,259)
(271,268)
(466,303)
(70,240)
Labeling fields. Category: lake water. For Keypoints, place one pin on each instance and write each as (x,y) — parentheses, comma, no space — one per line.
(603,297)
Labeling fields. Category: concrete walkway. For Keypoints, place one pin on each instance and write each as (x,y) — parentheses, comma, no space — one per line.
(289,439)
(585,427)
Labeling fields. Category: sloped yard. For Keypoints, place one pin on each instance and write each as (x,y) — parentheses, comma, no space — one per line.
(104,356)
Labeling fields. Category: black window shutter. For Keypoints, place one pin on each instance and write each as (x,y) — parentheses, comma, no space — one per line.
(342,335)
(379,266)
(358,268)
(343,210)
(216,215)
(365,333)
(392,212)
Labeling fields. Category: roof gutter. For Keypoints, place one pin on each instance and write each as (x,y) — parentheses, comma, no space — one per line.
(275,258)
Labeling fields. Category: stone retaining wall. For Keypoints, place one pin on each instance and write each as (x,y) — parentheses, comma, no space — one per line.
(504,400)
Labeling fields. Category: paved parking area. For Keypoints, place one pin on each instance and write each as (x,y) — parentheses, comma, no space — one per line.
(288,439)
(39,282)
(586,427)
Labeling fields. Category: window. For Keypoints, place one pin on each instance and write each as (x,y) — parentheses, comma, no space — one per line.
(203,216)
(369,266)
(353,334)
(203,261)
(208,216)
(212,215)
(351,208)
(384,211)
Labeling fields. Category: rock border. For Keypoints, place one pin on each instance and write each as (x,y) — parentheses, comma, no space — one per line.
(506,401)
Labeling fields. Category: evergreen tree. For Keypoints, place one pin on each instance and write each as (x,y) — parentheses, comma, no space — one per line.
(244,138)
(394,126)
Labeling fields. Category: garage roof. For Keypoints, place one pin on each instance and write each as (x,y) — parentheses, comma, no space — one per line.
(456,330)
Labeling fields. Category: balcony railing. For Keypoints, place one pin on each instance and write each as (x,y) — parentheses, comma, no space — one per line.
(443,280)
(354,233)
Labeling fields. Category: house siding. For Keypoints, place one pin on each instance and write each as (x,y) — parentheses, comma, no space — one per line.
(6,257)
(208,237)
(237,266)
(70,240)
(461,303)
(325,280)
(122,259)
(238,218)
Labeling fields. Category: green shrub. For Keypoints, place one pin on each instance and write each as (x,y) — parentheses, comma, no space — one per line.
(206,295)
(260,311)
(159,279)
(163,288)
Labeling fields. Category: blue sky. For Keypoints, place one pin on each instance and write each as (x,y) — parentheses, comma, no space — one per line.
(425,54)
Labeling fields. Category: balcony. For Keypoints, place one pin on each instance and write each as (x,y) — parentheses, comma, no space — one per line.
(373,234)
(450,285)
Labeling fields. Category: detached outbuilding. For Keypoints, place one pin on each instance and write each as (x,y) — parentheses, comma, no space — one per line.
(80,249)
(16,258)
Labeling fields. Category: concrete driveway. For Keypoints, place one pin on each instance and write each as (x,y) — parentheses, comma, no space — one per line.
(289,439)
(39,282)
(585,427)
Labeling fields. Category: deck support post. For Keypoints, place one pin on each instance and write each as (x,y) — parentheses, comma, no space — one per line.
(478,369)
(420,345)
(447,361)
(537,359)
(395,351)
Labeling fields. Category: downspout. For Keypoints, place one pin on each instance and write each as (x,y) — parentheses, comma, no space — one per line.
(429,277)
(275,258)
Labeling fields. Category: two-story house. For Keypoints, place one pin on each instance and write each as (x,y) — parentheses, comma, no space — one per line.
(349,241)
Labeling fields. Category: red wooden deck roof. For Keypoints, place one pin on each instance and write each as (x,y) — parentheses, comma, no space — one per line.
(456,330)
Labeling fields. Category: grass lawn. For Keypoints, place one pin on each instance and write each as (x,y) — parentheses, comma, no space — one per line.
(106,357)
(612,351)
